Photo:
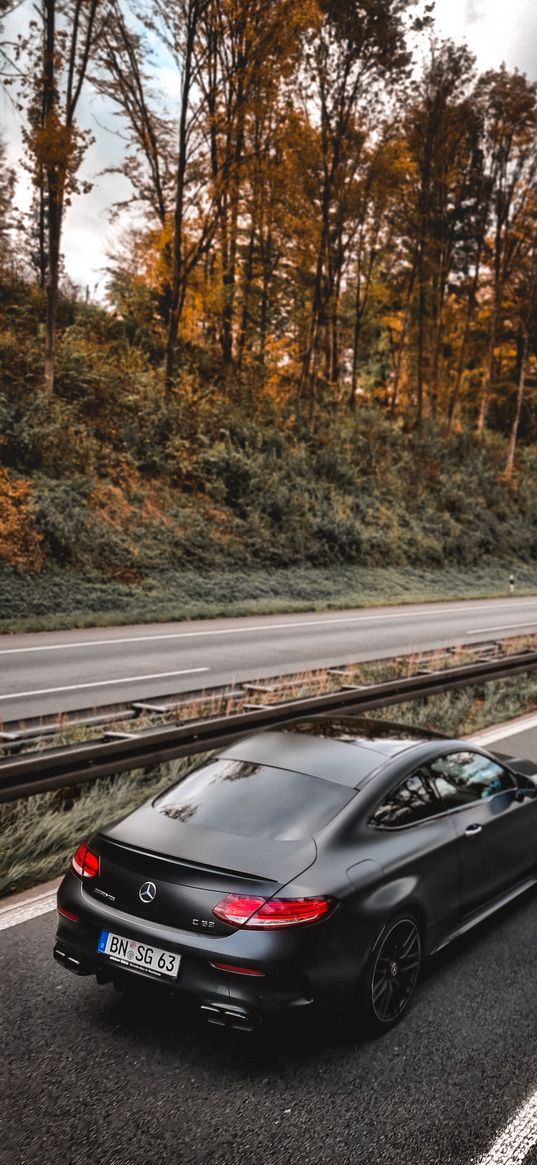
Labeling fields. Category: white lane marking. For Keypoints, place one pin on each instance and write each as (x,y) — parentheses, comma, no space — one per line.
(262,627)
(28,901)
(104,683)
(13,915)
(509,728)
(504,627)
(518,1138)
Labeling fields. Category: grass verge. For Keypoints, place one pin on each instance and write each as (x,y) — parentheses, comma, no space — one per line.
(65,599)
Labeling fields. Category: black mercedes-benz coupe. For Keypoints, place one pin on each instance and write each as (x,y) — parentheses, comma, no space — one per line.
(307,868)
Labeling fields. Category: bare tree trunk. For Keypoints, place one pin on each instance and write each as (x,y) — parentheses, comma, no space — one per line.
(57,157)
(355,350)
(334,335)
(421,347)
(267,268)
(53,279)
(510,464)
(470,309)
(54,217)
(311,344)
(41,202)
(176,297)
(402,339)
(246,293)
(485,396)
(310,364)
(230,268)
(336,275)
(454,398)
(358,313)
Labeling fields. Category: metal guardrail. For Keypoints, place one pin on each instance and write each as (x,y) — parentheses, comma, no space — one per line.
(55,768)
(224,699)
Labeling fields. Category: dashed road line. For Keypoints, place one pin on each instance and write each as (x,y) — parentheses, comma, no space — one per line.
(104,683)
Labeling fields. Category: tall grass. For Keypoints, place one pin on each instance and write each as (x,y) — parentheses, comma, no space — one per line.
(39,834)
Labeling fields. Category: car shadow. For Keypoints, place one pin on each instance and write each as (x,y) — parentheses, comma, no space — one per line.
(172,1027)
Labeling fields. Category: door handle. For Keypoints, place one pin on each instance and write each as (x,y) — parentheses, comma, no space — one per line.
(472,830)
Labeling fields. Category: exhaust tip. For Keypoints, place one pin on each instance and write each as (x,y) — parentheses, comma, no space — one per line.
(70,962)
(234,1018)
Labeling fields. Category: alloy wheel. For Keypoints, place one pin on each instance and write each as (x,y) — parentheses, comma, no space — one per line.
(396,970)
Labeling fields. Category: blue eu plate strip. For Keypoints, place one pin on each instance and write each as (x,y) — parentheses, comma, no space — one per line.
(102,941)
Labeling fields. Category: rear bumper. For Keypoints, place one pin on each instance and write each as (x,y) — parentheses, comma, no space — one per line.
(197,980)
(305,967)
(296,973)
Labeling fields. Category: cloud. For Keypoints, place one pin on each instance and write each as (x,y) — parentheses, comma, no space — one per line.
(88,234)
(494,31)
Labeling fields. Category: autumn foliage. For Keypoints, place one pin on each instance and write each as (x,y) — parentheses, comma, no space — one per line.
(20,544)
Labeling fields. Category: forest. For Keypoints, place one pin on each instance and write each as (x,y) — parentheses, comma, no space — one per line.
(318,344)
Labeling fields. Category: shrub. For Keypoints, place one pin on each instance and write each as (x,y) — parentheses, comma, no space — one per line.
(20,542)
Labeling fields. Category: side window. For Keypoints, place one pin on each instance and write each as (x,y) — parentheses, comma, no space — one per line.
(409,802)
(463,777)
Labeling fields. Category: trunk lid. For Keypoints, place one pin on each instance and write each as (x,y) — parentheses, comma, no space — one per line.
(191,868)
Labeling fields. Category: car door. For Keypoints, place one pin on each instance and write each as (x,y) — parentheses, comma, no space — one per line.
(494,818)
(415,844)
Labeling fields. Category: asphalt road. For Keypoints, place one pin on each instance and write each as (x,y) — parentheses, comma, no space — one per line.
(54,672)
(92,1076)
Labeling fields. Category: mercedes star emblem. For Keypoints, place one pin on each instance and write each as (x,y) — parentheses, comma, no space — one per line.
(147,892)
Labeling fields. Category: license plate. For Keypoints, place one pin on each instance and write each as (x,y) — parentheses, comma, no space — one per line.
(136,956)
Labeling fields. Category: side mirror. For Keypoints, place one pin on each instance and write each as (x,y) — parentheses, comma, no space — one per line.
(522,793)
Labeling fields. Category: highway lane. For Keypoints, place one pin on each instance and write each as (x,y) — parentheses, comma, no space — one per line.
(54,672)
(87,1075)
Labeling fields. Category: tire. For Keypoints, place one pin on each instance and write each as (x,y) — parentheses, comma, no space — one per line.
(391,975)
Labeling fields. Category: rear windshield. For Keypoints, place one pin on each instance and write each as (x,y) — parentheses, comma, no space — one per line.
(236,796)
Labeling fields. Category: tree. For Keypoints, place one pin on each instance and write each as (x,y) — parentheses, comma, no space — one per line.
(123,76)
(439,129)
(525,311)
(60,47)
(354,47)
(247,48)
(381,188)
(186,253)
(510,108)
(7,222)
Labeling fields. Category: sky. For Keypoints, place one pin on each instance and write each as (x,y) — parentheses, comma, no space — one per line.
(495,30)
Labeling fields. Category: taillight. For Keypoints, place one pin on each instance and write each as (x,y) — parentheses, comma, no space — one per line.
(85,863)
(237,908)
(269,914)
(235,970)
(67,914)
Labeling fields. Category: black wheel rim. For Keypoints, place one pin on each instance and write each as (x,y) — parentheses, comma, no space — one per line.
(396,970)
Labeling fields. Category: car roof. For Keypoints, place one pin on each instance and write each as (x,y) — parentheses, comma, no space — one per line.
(345,750)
